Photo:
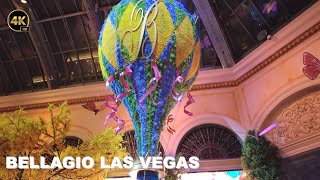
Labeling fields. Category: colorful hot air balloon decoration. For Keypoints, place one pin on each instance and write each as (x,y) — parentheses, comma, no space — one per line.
(149,53)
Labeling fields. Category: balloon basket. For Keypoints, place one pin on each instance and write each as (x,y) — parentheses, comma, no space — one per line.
(140,173)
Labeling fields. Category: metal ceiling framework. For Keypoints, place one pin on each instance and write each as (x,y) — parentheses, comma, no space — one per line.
(48,43)
(215,33)
(61,48)
(247,23)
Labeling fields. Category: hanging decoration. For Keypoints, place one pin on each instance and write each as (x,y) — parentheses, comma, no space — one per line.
(269,7)
(312,66)
(91,106)
(263,132)
(149,53)
(169,121)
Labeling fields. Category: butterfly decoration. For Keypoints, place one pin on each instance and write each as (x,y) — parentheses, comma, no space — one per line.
(312,68)
(206,43)
(170,120)
(269,7)
(91,106)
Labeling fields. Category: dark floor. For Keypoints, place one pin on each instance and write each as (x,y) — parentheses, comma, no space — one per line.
(304,166)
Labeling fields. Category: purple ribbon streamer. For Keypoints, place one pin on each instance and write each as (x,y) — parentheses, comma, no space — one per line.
(120,123)
(190,101)
(151,89)
(170,120)
(125,85)
(114,107)
(269,128)
(175,94)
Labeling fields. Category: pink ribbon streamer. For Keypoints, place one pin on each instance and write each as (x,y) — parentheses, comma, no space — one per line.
(169,128)
(120,123)
(125,85)
(114,108)
(190,101)
(110,79)
(156,79)
(175,94)
(269,128)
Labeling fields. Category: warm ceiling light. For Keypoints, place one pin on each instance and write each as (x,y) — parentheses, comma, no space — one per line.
(24,1)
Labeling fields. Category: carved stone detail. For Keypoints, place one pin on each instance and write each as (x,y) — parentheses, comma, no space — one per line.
(299,120)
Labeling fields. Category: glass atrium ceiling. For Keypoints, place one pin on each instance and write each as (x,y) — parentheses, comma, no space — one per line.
(60,50)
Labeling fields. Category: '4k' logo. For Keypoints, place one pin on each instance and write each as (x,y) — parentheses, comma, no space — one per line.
(18,21)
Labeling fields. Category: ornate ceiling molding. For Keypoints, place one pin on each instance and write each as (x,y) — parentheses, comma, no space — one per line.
(301,38)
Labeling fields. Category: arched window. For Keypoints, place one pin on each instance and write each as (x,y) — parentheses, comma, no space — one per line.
(210,141)
(131,144)
(72,141)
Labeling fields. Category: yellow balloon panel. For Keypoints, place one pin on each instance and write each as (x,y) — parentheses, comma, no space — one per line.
(185,40)
(109,49)
(164,28)
(195,61)
(130,39)
(103,69)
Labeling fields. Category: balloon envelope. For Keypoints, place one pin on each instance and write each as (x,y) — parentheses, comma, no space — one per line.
(158,41)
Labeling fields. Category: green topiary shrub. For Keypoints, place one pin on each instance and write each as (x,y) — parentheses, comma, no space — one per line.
(260,158)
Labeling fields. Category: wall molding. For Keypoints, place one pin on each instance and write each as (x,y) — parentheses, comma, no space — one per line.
(198,87)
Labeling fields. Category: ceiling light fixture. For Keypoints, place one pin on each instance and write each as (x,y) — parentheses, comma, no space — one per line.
(24,1)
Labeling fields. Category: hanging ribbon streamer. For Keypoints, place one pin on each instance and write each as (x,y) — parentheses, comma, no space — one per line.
(124,84)
(120,123)
(156,79)
(170,120)
(116,101)
(190,101)
(175,94)
(109,81)
(114,108)
(269,128)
